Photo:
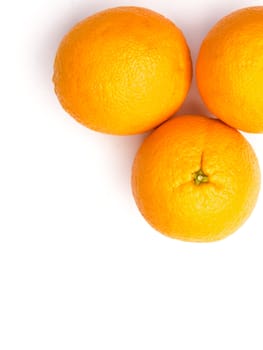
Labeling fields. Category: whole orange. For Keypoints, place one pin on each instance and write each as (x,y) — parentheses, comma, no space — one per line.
(123,70)
(195,179)
(229,69)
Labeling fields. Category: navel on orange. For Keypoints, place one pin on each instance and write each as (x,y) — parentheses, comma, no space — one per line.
(229,69)
(195,179)
(123,70)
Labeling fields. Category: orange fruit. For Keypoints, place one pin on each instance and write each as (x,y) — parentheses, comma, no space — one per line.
(229,69)
(195,179)
(123,70)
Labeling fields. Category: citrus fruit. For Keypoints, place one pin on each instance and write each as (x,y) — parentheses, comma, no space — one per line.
(229,69)
(123,70)
(195,179)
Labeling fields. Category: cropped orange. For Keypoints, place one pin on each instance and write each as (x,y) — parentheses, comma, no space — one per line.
(229,69)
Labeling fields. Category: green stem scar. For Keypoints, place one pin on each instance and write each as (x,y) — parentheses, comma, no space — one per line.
(199,177)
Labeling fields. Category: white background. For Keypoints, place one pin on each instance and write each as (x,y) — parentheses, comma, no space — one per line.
(79,267)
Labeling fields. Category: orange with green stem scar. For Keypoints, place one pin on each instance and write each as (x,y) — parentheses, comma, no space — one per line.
(192,200)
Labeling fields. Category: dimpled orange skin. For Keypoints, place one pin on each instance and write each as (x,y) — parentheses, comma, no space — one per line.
(229,69)
(123,70)
(175,199)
